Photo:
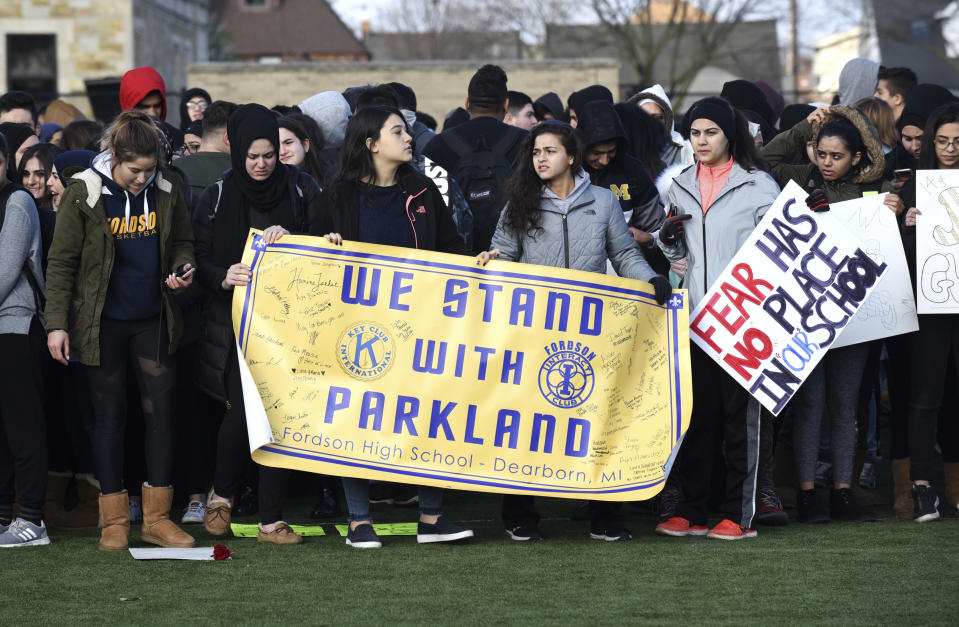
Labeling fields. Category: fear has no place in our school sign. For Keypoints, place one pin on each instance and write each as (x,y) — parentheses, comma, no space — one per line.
(425,368)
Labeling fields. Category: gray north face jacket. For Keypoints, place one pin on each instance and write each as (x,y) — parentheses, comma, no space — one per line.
(580,232)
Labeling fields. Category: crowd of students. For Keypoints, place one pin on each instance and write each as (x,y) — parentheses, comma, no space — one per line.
(120,248)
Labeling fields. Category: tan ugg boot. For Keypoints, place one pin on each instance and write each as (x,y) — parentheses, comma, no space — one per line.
(157,526)
(902,504)
(115,517)
(951,470)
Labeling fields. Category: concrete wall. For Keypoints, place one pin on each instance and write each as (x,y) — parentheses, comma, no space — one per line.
(94,38)
(439,85)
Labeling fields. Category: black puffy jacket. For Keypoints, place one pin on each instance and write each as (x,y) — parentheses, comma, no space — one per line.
(221,232)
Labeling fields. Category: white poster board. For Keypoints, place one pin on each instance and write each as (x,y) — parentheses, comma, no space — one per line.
(937,241)
(891,308)
(779,305)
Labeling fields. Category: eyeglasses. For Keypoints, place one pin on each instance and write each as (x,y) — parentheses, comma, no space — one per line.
(944,142)
(191,147)
(197,104)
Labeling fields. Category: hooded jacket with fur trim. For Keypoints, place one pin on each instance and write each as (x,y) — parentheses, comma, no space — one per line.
(849,186)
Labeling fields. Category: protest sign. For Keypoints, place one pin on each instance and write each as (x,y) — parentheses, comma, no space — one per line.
(891,307)
(779,305)
(937,241)
(405,365)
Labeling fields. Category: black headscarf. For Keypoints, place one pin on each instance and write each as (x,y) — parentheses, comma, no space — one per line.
(247,124)
(188,95)
(15,134)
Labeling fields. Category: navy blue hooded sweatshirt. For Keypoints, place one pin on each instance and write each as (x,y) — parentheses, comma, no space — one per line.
(134,290)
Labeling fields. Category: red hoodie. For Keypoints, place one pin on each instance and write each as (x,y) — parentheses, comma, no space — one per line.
(137,85)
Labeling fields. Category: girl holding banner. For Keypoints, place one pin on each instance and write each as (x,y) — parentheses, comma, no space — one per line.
(849,163)
(936,342)
(261,193)
(371,200)
(551,219)
(714,206)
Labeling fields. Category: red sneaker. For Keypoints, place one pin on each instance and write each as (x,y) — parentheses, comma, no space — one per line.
(728,530)
(680,527)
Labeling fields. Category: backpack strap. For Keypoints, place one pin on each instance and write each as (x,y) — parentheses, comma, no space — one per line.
(505,142)
(457,143)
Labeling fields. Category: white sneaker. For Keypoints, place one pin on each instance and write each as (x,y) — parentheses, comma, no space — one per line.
(194,513)
(24,533)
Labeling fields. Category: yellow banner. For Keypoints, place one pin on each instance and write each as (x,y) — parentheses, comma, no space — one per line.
(419,367)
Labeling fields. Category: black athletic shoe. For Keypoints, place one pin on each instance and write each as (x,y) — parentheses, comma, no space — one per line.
(524,534)
(810,507)
(844,506)
(926,503)
(363,537)
(443,530)
(613,533)
(666,503)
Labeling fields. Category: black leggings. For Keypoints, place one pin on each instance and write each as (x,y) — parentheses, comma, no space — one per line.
(233,453)
(936,343)
(23,440)
(136,342)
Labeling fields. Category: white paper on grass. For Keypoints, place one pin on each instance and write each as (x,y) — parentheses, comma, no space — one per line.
(257,424)
(194,554)
(891,308)
(937,241)
(736,323)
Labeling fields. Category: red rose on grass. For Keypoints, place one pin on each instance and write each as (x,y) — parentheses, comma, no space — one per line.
(220,552)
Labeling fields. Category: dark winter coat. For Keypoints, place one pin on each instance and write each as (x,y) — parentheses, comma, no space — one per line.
(430,219)
(82,255)
(221,233)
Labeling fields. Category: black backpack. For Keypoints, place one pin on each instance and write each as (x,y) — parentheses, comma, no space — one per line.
(481,172)
(46,235)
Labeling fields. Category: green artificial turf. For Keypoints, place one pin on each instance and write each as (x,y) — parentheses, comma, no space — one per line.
(889,572)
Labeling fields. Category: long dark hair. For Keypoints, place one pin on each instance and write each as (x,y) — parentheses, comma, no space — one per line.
(645,135)
(356,160)
(743,147)
(45,153)
(312,163)
(940,116)
(524,188)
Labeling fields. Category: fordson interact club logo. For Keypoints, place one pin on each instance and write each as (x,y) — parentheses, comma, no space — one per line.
(365,351)
(566,377)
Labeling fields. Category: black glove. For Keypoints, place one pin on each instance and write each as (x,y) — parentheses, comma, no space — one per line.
(816,201)
(673,227)
(662,287)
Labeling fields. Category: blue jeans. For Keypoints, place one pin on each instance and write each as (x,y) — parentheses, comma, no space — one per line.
(358,499)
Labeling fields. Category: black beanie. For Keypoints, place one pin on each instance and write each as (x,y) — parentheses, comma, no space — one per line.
(794,114)
(578,99)
(920,103)
(716,110)
(487,88)
(748,96)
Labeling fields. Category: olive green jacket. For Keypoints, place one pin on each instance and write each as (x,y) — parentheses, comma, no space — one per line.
(81,259)
(849,187)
